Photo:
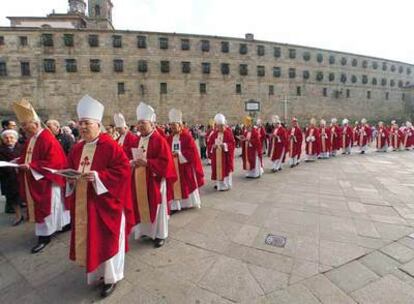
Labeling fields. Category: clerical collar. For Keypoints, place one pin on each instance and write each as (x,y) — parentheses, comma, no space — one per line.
(93,141)
(149,135)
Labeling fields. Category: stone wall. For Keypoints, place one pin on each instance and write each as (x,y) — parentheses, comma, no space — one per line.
(56,94)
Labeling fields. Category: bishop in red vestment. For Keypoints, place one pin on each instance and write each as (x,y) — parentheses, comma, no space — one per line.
(187,165)
(364,136)
(355,132)
(382,138)
(336,137)
(153,178)
(222,145)
(251,149)
(295,138)
(278,144)
(312,141)
(346,140)
(40,189)
(100,200)
(396,137)
(324,140)
(408,136)
(126,138)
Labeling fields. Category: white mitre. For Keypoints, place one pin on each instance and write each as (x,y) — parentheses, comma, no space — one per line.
(220,119)
(145,112)
(345,121)
(119,120)
(175,116)
(89,108)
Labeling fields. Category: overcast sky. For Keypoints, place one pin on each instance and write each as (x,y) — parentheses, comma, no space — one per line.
(368,27)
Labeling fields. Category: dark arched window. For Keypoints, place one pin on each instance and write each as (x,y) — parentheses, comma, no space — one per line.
(97,10)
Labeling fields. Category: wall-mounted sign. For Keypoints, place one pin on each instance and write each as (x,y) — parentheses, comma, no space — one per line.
(252,106)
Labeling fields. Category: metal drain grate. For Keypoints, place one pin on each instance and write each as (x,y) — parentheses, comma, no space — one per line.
(275,240)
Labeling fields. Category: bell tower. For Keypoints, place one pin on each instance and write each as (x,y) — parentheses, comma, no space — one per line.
(100,13)
(77,7)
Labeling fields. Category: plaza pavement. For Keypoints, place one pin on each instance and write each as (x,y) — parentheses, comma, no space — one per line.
(347,222)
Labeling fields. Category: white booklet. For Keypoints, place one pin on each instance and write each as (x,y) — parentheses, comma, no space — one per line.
(69,173)
(8,164)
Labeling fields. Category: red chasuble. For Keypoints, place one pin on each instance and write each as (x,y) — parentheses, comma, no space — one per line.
(146,181)
(251,146)
(346,139)
(222,162)
(355,132)
(382,137)
(408,137)
(39,152)
(191,175)
(295,141)
(324,139)
(278,141)
(336,138)
(364,135)
(312,141)
(96,219)
(126,142)
(396,138)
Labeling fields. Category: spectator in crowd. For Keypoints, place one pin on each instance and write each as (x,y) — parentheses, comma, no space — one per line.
(10,150)
(8,125)
(75,131)
(65,140)
(66,130)
(202,143)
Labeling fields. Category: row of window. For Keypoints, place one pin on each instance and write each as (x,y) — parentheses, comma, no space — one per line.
(118,67)
(93,40)
(271,90)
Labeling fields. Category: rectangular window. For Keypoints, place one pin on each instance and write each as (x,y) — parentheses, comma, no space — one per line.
(238,88)
(260,70)
(225,47)
(49,65)
(203,88)
(403,96)
(387,95)
(205,66)
(117,41)
(185,44)
(298,91)
(1,40)
(277,72)
(368,94)
(93,40)
(142,42)
(47,40)
(271,90)
(225,69)
(3,69)
(186,67)
(95,65)
(292,73)
(71,66)
(348,93)
(205,46)
(292,53)
(243,70)
(23,40)
(68,40)
(142,66)
(243,49)
(277,53)
(163,88)
(25,68)
(165,66)
(118,65)
(121,88)
(163,43)
(325,92)
(260,50)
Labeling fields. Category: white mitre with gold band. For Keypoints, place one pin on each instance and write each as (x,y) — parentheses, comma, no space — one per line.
(220,119)
(145,112)
(175,116)
(24,111)
(89,108)
(119,120)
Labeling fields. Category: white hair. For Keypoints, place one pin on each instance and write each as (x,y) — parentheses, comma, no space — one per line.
(9,132)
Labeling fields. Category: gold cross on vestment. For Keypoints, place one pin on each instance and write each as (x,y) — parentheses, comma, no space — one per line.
(85,163)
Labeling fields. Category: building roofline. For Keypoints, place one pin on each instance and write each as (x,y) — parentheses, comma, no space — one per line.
(200,36)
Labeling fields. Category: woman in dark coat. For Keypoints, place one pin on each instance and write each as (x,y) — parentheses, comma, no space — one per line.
(9,150)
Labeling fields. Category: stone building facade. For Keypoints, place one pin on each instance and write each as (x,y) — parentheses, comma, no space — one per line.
(201,75)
